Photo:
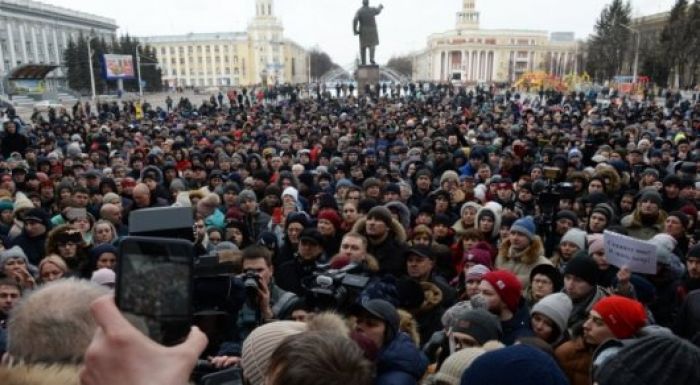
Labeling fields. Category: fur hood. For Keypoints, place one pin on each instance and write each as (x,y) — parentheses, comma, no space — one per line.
(531,254)
(634,220)
(408,325)
(614,178)
(370,262)
(154,169)
(39,375)
(54,235)
(396,229)
(330,322)
(497,210)
(403,211)
(433,297)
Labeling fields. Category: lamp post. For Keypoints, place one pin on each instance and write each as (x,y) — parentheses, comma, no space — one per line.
(138,68)
(92,71)
(636,52)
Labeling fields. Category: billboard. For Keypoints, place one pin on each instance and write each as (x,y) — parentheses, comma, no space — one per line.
(27,86)
(118,67)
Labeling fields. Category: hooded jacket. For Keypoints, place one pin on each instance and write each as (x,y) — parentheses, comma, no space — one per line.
(521,265)
(637,229)
(390,251)
(400,362)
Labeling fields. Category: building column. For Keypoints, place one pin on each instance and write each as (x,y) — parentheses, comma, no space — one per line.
(465,61)
(45,42)
(489,77)
(2,63)
(475,65)
(23,44)
(35,46)
(11,44)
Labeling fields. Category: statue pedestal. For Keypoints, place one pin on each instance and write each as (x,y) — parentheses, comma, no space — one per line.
(366,75)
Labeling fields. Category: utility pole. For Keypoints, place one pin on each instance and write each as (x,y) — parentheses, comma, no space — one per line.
(138,68)
(92,71)
(635,68)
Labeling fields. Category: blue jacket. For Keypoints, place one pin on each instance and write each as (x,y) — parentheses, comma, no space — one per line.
(400,362)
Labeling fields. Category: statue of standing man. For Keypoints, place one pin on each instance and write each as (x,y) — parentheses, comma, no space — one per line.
(365,26)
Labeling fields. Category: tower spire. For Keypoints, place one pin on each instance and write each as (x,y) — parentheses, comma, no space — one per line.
(468,17)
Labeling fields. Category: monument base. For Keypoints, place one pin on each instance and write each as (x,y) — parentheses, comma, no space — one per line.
(366,75)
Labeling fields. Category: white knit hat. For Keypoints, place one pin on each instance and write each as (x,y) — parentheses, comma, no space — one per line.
(261,343)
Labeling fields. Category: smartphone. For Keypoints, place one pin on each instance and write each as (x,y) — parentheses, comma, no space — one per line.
(154,286)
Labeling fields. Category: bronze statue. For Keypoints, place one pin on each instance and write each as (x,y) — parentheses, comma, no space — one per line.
(365,26)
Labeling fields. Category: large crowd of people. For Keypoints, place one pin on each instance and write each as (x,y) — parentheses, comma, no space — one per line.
(419,234)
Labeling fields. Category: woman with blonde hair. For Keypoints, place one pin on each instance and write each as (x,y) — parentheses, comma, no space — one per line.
(103,232)
(52,268)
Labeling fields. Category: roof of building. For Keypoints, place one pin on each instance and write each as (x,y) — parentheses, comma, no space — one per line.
(195,37)
(29,6)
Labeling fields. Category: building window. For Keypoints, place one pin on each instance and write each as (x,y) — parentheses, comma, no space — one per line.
(162,51)
(172,50)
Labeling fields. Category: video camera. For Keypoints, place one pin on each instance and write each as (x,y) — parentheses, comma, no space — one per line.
(548,193)
(334,288)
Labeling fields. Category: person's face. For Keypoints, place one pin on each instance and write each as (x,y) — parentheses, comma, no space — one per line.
(693,266)
(472,287)
(372,328)
(300,315)
(14,265)
(597,223)
(200,228)
(601,260)
(230,198)
(464,341)
(6,216)
(493,300)
(82,224)
(353,248)
(325,227)
(373,192)
(249,206)
(440,230)
(80,199)
(674,227)
(34,228)
(107,261)
(486,224)
(441,204)
(50,272)
(68,249)
(567,250)
(9,296)
(418,267)
(627,203)
(214,238)
(422,239)
(349,213)
(647,207)
(542,326)
(541,286)
(376,227)
(294,231)
(576,288)
(309,251)
(353,196)
(518,240)
(595,331)
(595,186)
(672,191)
(484,173)
(423,182)
(504,194)
(259,266)
(524,195)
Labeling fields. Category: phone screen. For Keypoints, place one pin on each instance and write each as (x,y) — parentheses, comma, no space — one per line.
(154,286)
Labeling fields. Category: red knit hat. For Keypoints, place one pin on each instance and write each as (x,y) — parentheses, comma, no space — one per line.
(622,315)
(478,255)
(507,285)
(331,216)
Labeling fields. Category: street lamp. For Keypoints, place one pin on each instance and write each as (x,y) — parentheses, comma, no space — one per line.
(138,68)
(636,51)
(92,71)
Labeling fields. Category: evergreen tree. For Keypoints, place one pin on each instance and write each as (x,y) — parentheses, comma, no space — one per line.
(609,43)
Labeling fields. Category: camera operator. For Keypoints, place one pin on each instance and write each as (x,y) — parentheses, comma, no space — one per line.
(271,303)
(291,274)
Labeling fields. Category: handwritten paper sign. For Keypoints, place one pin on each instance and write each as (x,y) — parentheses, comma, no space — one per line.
(621,250)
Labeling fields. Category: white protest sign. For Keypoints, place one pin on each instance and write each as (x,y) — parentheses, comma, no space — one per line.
(621,250)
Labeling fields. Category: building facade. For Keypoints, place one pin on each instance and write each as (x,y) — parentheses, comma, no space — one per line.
(474,55)
(260,55)
(36,33)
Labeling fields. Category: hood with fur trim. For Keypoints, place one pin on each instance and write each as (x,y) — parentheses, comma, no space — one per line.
(396,230)
(433,296)
(403,212)
(610,174)
(497,211)
(154,169)
(528,257)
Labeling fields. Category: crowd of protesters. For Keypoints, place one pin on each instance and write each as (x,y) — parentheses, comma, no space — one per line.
(477,217)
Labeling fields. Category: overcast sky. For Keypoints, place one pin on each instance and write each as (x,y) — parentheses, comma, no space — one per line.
(404,25)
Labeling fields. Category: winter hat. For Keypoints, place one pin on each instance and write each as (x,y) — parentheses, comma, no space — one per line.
(575,236)
(380,309)
(39,215)
(454,366)
(526,365)
(550,272)
(247,195)
(681,217)
(101,249)
(623,316)
(331,216)
(104,277)
(507,285)
(22,202)
(584,267)
(259,345)
(479,324)
(606,210)
(525,226)
(651,195)
(111,198)
(6,204)
(381,213)
(654,359)
(476,272)
(694,252)
(475,205)
(596,243)
(291,191)
(567,214)
(15,252)
(557,307)
(449,175)
(479,255)
(666,241)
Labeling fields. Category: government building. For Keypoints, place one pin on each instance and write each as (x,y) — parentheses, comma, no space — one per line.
(473,55)
(36,33)
(260,55)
